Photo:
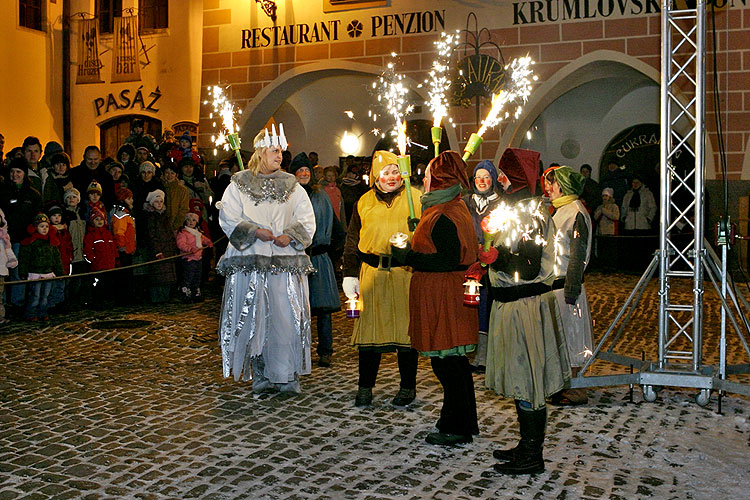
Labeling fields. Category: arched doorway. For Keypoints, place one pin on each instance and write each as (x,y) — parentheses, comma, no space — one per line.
(112,133)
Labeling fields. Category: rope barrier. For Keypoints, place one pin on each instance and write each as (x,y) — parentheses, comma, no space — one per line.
(104,271)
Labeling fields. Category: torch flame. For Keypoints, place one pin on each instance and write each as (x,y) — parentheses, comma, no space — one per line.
(498,101)
(402,138)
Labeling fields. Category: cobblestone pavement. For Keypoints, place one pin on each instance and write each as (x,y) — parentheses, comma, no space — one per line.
(93,412)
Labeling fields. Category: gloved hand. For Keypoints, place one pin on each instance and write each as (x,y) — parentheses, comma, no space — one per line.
(571,301)
(351,287)
(412,223)
(475,272)
(489,256)
(399,254)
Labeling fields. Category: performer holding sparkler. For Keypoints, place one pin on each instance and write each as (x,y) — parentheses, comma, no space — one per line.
(527,358)
(563,185)
(381,284)
(440,326)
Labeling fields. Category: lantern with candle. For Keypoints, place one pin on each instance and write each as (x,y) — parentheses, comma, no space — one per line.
(353,306)
(471,292)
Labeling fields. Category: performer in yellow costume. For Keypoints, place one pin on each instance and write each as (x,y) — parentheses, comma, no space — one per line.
(381,284)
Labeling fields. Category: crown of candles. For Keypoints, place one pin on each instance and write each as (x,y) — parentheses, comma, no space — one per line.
(272,139)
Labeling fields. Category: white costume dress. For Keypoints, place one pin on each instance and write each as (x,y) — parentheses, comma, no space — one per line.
(576,318)
(265,318)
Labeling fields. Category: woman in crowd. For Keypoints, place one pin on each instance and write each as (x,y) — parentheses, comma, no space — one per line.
(480,203)
(382,285)
(264,328)
(563,185)
(638,208)
(440,326)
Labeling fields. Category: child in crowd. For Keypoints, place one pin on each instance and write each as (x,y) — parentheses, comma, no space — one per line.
(94,195)
(75,218)
(184,150)
(191,241)
(101,253)
(158,242)
(123,229)
(7,261)
(55,213)
(58,178)
(120,178)
(39,259)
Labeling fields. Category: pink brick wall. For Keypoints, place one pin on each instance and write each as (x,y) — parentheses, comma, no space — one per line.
(553,46)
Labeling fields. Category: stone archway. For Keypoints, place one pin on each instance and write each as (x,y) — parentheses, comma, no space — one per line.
(593,66)
(273,97)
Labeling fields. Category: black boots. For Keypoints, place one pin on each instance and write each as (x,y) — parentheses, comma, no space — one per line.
(526,457)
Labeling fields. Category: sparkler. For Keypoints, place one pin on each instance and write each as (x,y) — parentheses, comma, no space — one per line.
(517,91)
(391,94)
(519,222)
(439,83)
(228,134)
(404,166)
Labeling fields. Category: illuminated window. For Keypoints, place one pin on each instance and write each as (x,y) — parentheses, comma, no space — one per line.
(153,14)
(106,11)
(30,14)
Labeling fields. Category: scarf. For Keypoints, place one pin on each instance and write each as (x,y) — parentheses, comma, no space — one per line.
(482,201)
(635,201)
(432,198)
(564,200)
(196,234)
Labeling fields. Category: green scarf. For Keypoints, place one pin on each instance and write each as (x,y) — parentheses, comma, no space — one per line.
(432,198)
(564,200)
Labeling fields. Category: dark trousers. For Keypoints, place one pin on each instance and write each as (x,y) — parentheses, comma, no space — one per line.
(325,335)
(369,362)
(191,275)
(459,412)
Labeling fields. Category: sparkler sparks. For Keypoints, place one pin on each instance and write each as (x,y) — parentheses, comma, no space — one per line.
(225,109)
(514,223)
(391,94)
(438,80)
(516,92)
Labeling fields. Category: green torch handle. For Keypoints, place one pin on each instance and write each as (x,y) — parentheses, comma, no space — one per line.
(234,143)
(404,166)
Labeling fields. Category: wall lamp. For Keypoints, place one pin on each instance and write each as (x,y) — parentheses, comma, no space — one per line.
(269,7)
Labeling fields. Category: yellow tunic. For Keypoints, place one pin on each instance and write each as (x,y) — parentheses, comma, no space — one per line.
(384,318)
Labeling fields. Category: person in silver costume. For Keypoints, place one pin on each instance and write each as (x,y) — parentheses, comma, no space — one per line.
(264,328)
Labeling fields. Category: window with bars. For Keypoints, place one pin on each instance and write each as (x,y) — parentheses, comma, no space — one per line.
(153,14)
(30,14)
(106,11)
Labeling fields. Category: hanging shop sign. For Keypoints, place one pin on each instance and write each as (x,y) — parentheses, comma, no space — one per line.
(125,63)
(88,52)
(405,23)
(127,99)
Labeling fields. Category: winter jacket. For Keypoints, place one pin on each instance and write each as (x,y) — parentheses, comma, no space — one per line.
(39,254)
(20,204)
(607,217)
(7,257)
(123,228)
(76,220)
(177,202)
(639,218)
(186,243)
(99,248)
(66,247)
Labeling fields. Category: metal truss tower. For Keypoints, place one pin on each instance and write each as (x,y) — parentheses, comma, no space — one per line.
(683,252)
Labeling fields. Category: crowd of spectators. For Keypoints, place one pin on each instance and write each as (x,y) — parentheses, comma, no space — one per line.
(62,224)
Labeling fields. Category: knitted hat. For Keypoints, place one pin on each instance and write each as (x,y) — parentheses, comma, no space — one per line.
(169,166)
(192,216)
(70,192)
(97,213)
(123,194)
(196,205)
(155,195)
(126,148)
(53,209)
(147,166)
(41,217)
(95,187)
(115,164)
(60,157)
(379,160)
(20,164)
(186,137)
(609,191)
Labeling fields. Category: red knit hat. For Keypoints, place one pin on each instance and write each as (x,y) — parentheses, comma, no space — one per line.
(123,194)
